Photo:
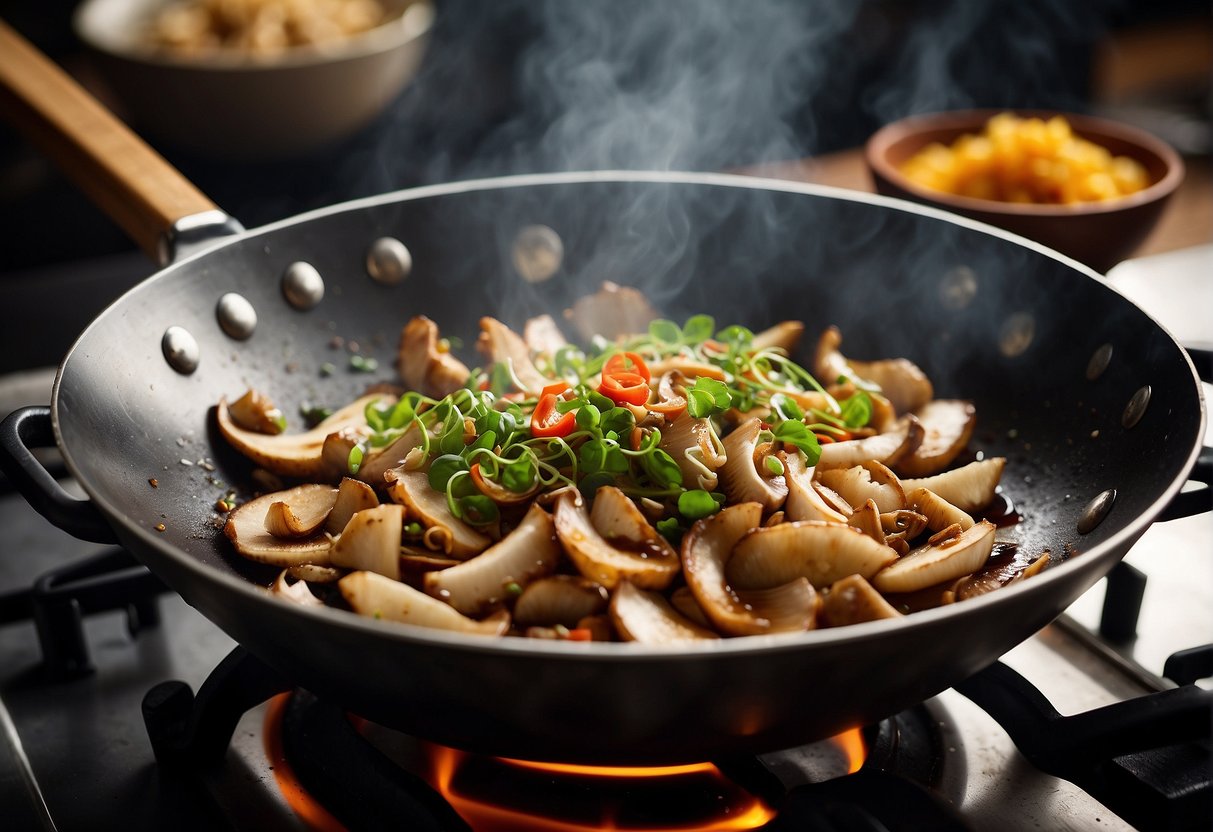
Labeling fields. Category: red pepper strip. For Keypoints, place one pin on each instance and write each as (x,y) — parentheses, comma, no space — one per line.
(627,362)
(546,421)
(624,388)
(581,634)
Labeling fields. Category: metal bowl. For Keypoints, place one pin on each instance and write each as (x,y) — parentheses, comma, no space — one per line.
(235,105)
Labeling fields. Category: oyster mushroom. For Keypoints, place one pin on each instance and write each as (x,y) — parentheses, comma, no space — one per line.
(616,543)
(373,595)
(805,501)
(648,618)
(930,565)
(742,478)
(502,345)
(612,311)
(302,516)
(821,552)
(870,480)
(245,528)
(939,512)
(424,364)
(255,412)
(352,496)
(688,367)
(371,541)
(852,600)
(948,425)
(997,573)
(784,335)
(887,447)
(900,380)
(791,607)
(866,518)
(294,454)
(969,488)
(559,599)
(412,489)
(696,449)
(683,600)
(314,573)
(295,593)
(477,585)
(542,335)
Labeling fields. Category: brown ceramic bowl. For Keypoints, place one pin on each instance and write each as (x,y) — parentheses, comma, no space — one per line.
(1099,234)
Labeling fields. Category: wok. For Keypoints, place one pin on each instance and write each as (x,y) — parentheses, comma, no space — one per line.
(989,316)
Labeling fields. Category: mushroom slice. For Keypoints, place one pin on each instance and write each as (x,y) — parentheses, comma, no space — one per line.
(352,496)
(425,364)
(412,489)
(821,552)
(948,424)
(502,345)
(1002,569)
(852,600)
(559,599)
(314,574)
(887,447)
(293,454)
(866,518)
(902,525)
(296,593)
(869,480)
(648,618)
(696,449)
(705,550)
(476,586)
(687,366)
(373,595)
(900,380)
(930,565)
(542,335)
(612,311)
(374,469)
(939,512)
(970,488)
(683,600)
(784,335)
(740,475)
(303,516)
(371,541)
(255,412)
(245,527)
(621,550)
(805,501)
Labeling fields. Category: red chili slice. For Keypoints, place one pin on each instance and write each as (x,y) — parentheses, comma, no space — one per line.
(546,420)
(624,387)
(627,362)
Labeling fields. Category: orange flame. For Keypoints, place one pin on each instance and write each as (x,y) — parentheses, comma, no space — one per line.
(296,796)
(852,744)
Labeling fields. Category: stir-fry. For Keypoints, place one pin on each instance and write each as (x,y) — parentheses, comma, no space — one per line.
(690,481)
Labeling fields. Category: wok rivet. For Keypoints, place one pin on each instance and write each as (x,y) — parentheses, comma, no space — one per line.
(1136,408)
(1017,334)
(1096,511)
(1099,362)
(302,285)
(538,253)
(236,315)
(958,288)
(388,261)
(180,350)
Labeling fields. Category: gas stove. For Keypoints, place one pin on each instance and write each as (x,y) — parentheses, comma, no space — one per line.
(120,705)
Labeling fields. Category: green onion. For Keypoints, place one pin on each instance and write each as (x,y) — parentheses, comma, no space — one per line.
(697,504)
(363,364)
(314,415)
(354,460)
(775,466)
(513,588)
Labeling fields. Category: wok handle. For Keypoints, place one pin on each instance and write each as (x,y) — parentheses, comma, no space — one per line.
(129,181)
(1198,500)
(28,428)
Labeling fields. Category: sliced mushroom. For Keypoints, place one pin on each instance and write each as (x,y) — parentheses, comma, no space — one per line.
(559,599)
(424,363)
(371,541)
(705,550)
(303,516)
(457,538)
(683,600)
(648,618)
(887,447)
(375,468)
(687,367)
(867,519)
(255,412)
(1002,569)
(939,512)
(970,488)
(805,501)
(295,593)
(476,586)
(352,496)
(696,449)
(740,475)
(502,345)
(870,480)
(852,600)
(294,454)
(615,547)
(902,525)
(930,565)
(900,380)
(542,335)
(948,426)
(821,552)
(315,574)
(373,595)
(245,527)
(612,311)
(784,336)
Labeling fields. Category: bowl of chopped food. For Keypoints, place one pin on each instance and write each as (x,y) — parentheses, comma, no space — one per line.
(1088,187)
(254,79)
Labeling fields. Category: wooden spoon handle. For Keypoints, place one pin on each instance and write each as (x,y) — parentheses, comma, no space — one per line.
(128,180)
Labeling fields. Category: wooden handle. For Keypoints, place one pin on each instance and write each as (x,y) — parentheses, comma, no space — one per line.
(128,180)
